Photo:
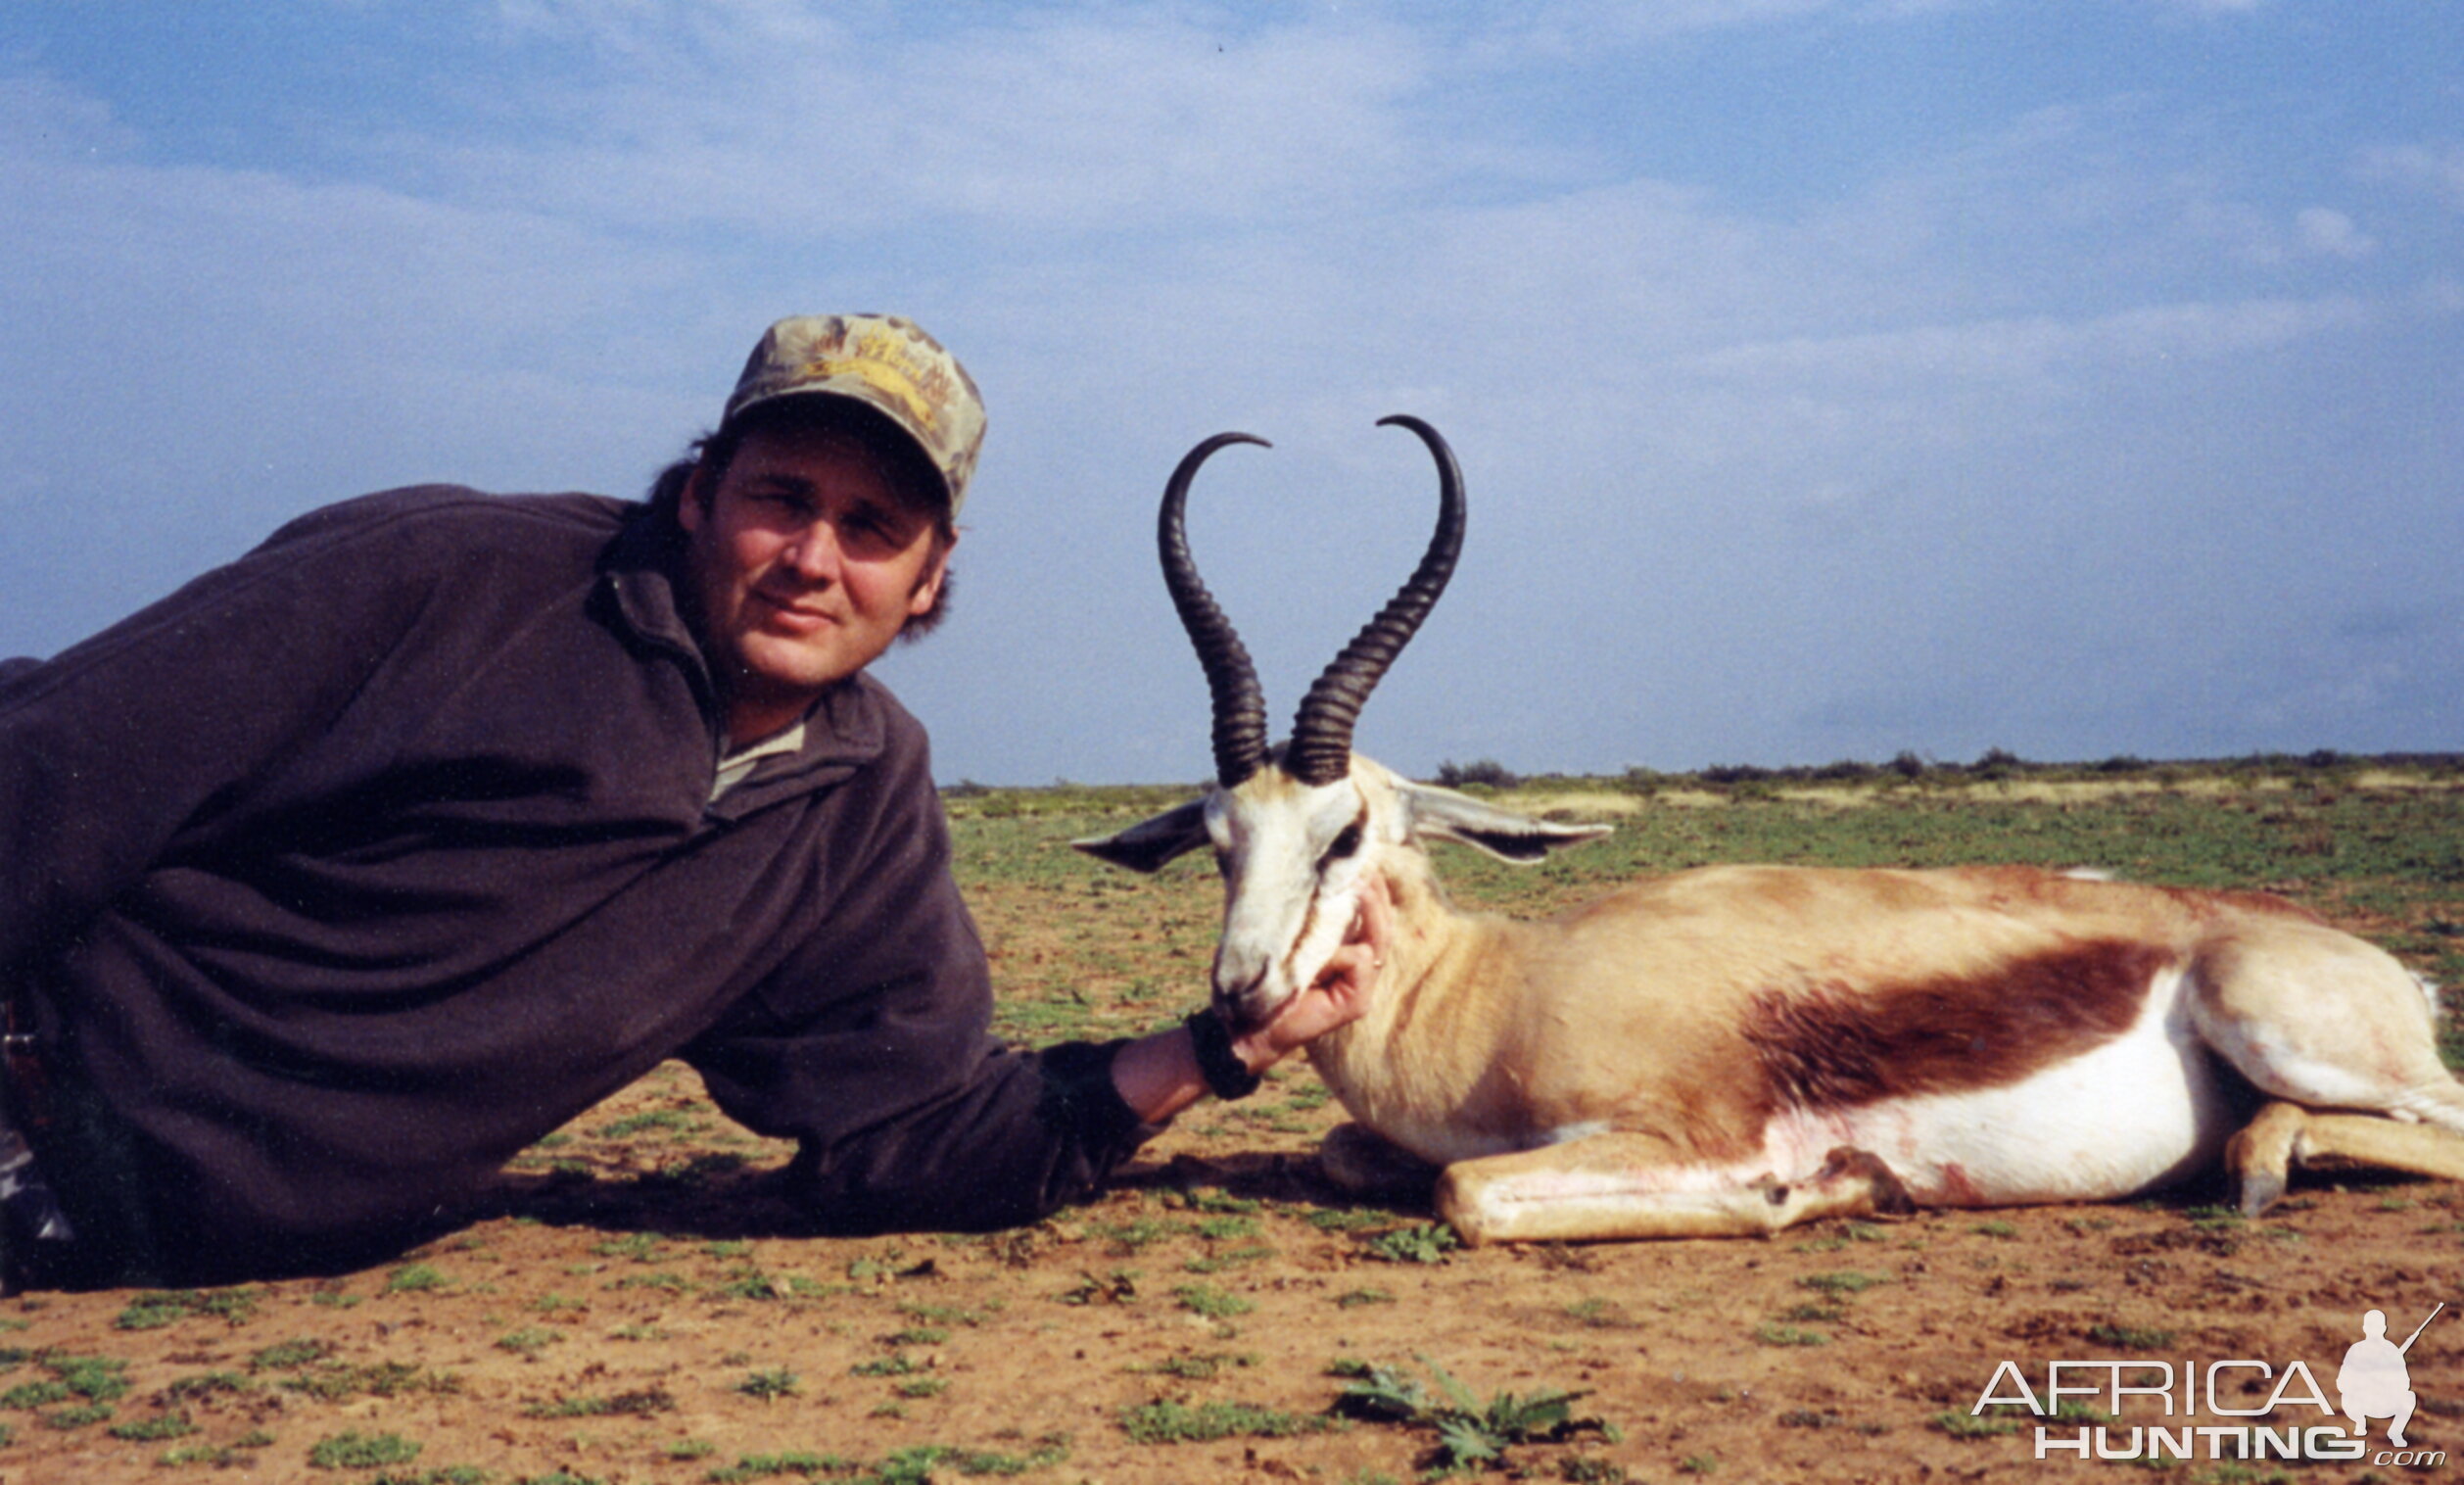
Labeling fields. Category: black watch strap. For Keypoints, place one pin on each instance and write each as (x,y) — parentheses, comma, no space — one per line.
(1227,1076)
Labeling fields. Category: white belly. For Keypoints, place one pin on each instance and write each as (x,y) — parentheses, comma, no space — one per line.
(2136,1112)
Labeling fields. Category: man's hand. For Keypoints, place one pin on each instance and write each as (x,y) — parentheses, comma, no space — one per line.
(1339,995)
(1158,1076)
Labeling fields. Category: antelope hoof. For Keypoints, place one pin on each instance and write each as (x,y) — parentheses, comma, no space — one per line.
(2260,1190)
(1847,1162)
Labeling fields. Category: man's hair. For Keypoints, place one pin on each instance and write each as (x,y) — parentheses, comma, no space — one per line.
(918,484)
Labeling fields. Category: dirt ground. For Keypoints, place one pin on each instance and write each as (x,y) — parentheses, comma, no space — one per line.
(630,1311)
(614,1324)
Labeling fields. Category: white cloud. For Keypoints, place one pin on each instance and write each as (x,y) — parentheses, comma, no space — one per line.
(2332,234)
(199,353)
(2039,354)
(2436,169)
(792,121)
(1565,27)
(41,119)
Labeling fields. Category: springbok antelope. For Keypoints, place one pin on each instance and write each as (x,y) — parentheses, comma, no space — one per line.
(1734,1049)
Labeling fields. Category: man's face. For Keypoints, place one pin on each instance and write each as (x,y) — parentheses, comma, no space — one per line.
(805,564)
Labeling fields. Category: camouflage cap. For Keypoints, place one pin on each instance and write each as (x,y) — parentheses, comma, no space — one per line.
(888,364)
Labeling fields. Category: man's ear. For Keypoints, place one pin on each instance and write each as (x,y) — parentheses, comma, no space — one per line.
(928,587)
(689,506)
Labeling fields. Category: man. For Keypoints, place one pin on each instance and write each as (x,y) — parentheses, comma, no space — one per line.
(353,868)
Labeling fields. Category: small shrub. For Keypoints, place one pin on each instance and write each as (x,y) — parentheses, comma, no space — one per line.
(333,1381)
(639,1405)
(351,1450)
(1171,1421)
(1488,773)
(1346,1219)
(1997,763)
(163,1426)
(413,1278)
(1229,1257)
(1844,1281)
(34,1395)
(1130,1236)
(640,1247)
(97,1378)
(158,1307)
(1214,1304)
(1470,1433)
(1427,1243)
(778,1382)
(756,1466)
(284,1355)
(1197,1368)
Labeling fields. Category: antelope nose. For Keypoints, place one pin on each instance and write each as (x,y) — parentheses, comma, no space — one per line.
(1235,984)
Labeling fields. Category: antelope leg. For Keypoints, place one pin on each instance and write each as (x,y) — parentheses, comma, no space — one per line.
(1620,1187)
(2285,1136)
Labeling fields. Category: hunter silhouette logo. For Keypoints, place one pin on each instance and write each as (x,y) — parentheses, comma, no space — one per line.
(2373,1382)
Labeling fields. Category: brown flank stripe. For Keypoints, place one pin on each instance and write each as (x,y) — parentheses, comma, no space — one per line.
(1827,1046)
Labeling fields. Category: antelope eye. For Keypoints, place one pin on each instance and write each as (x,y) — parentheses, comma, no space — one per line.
(1344,844)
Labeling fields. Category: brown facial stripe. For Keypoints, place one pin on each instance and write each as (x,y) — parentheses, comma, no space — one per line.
(1829,1044)
(1309,919)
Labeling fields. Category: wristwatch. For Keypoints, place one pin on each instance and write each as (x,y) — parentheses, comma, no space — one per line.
(1227,1076)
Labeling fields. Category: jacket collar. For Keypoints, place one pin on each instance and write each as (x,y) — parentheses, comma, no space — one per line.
(848,727)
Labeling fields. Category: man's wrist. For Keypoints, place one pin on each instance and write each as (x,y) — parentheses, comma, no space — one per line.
(1227,1075)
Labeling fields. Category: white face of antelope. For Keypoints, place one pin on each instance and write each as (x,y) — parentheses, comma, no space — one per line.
(1293,857)
(1296,832)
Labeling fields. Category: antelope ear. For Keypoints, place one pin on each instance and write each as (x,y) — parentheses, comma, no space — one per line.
(1501,833)
(1146,845)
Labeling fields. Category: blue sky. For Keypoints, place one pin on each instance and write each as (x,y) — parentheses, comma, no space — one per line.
(1831,377)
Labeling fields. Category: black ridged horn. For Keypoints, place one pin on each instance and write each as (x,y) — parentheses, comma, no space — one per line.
(1320,751)
(1240,706)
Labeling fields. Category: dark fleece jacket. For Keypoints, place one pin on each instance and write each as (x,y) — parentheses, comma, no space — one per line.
(355,866)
